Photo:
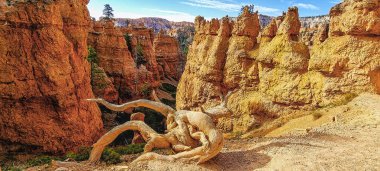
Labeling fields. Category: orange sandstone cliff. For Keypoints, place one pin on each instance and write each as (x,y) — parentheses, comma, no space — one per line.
(166,51)
(117,61)
(144,37)
(45,77)
(281,74)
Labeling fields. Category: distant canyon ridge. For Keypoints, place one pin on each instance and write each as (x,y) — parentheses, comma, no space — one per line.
(309,26)
(158,24)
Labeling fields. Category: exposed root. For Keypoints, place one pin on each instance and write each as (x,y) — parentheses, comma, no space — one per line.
(193,135)
(159,107)
(147,133)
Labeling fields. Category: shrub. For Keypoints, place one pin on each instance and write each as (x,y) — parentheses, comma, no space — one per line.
(251,9)
(152,118)
(82,154)
(279,125)
(110,156)
(11,168)
(237,134)
(130,149)
(98,78)
(139,56)
(42,160)
(128,40)
(185,38)
(185,50)
(342,99)
(345,99)
(92,55)
(146,90)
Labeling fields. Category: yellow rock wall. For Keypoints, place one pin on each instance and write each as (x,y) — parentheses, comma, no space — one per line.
(278,74)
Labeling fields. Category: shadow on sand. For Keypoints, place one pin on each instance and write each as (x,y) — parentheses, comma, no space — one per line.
(244,160)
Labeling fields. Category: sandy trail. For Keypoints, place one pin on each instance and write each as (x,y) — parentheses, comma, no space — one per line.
(348,142)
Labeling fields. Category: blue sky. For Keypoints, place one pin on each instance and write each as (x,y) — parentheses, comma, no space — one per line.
(187,10)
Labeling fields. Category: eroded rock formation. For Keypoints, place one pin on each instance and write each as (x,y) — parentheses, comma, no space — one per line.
(144,37)
(317,35)
(350,57)
(45,77)
(355,18)
(281,74)
(166,50)
(117,61)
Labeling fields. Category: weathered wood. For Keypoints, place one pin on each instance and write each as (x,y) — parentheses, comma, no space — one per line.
(192,134)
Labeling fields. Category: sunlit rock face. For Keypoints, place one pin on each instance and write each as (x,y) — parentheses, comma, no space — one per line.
(279,74)
(350,56)
(355,18)
(45,77)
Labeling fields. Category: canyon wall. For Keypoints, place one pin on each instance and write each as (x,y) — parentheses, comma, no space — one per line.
(45,77)
(166,51)
(281,75)
(116,60)
(102,85)
(144,37)
(154,23)
(117,49)
(350,57)
(314,21)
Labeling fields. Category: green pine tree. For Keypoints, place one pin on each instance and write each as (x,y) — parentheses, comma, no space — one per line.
(140,59)
(108,12)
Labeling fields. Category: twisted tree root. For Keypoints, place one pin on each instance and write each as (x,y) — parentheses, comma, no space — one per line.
(147,133)
(192,134)
(159,107)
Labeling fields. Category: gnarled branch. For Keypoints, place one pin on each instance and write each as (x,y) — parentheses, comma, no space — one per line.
(146,132)
(192,134)
(159,107)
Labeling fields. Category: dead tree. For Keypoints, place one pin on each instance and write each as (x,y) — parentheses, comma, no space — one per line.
(192,135)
